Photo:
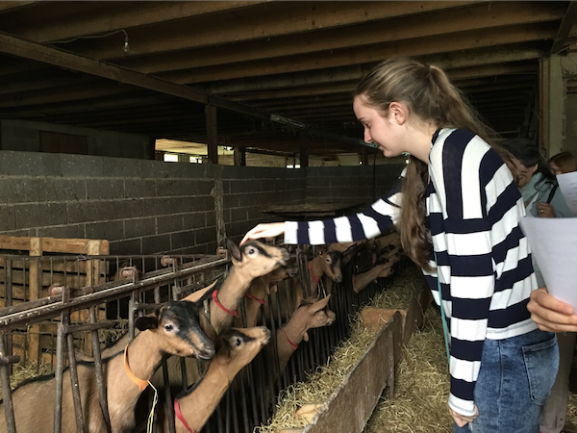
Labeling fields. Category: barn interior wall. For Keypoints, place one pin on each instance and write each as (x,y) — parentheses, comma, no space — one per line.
(570,143)
(145,207)
(20,135)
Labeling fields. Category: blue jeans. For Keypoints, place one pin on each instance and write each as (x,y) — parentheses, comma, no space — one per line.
(514,383)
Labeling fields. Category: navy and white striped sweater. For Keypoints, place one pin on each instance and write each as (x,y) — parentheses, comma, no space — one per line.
(484,260)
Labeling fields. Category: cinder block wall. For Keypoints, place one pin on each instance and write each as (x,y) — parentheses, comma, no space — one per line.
(350,184)
(146,207)
(140,207)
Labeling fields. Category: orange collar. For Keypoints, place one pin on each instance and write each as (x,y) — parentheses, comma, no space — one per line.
(142,384)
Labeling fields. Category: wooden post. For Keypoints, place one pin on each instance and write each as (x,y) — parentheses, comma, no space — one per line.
(552,106)
(239,156)
(34,287)
(304,142)
(217,194)
(211,133)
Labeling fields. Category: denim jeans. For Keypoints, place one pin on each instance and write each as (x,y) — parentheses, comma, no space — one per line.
(514,383)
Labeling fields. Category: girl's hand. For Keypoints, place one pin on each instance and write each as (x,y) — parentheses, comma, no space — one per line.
(270,230)
(551,314)
(462,420)
(545,210)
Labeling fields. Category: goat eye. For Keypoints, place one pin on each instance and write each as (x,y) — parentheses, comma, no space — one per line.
(328,259)
(168,327)
(251,251)
(237,342)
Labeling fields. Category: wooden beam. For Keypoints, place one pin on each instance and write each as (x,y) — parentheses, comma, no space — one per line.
(12,5)
(212,133)
(276,19)
(465,41)
(123,15)
(567,23)
(499,15)
(31,50)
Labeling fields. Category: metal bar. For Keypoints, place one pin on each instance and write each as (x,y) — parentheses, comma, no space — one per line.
(58,376)
(49,307)
(8,303)
(75,384)
(90,326)
(5,361)
(102,391)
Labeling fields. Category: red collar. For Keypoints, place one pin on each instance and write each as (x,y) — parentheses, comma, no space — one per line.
(222,307)
(293,345)
(254,298)
(313,276)
(178,414)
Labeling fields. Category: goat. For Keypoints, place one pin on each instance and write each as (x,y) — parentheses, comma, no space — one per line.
(312,313)
(173,329)
(194,406)
(259,289)
(252,260)
(379,270)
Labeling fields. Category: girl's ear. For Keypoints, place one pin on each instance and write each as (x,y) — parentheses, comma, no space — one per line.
(398,112)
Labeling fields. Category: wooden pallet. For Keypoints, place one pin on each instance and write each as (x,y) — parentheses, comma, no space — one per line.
(30,265)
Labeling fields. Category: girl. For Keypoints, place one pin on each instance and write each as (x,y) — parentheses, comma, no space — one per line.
(457,209)
(563,162)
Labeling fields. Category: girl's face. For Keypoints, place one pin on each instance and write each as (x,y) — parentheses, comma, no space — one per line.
(380,129)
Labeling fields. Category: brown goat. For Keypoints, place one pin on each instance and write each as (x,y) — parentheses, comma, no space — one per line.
(174,329)
(196,405)
(312,313)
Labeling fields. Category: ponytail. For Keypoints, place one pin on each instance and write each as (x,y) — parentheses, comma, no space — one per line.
(429,95)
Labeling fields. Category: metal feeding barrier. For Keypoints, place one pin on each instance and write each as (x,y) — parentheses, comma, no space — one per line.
(70,315)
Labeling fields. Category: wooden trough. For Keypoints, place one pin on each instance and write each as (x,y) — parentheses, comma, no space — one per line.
(351,404)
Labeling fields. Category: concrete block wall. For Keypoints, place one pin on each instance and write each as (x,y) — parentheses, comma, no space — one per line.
(350,184)
(140,207)
(21,135)
(153,207)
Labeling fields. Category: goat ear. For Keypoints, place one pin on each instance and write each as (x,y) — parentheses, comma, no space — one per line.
(234,250)
(306,336)
(319,305)
(146,322)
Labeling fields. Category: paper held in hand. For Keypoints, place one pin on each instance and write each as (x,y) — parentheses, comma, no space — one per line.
(553,244)
(568,187)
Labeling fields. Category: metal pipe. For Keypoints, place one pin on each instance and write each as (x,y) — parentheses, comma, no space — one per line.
(5,361)
(102,391)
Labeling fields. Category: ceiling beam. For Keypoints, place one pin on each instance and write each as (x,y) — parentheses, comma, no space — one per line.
(12,5)
(434,45)
(103,20)
(498,15)
(34,51)
(277,18)
(567,23)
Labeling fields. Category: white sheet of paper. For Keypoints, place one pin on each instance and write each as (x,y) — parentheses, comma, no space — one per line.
(553,244)
(568,187)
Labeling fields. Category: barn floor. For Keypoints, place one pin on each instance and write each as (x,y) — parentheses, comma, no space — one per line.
(422,383)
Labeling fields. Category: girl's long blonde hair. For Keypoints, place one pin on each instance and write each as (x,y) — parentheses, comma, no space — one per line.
(429,95)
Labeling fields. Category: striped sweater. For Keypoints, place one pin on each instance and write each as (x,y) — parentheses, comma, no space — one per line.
(484,262)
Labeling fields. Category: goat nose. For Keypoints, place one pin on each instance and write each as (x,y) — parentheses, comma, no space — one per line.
(339,279)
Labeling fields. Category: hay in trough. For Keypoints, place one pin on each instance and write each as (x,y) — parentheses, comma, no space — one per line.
(421,386)
(322,383)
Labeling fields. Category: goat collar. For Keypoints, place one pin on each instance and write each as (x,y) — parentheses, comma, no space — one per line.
(222,307)
(142,384)
(178,414)
(293,345)
(254,298)
(313,276)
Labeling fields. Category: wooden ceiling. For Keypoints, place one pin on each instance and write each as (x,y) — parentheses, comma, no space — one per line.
(271,68)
